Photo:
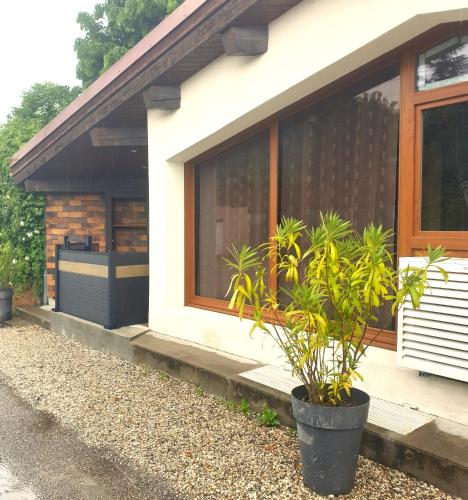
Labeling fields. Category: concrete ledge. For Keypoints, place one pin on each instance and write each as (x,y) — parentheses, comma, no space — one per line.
(216,373)
(441,469)
(116,342)
(35,315)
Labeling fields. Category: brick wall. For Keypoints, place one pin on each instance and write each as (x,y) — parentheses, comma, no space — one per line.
(130,225)
(72,214)
(84,214)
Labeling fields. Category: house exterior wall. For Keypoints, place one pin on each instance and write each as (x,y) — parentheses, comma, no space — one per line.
(310,46)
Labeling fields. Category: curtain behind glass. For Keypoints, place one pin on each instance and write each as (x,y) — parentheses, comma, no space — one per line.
(231,208)
(342,155)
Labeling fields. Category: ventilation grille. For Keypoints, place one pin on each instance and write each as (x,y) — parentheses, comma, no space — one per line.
(434,338)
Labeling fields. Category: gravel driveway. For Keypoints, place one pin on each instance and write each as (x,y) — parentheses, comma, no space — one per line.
(166,428)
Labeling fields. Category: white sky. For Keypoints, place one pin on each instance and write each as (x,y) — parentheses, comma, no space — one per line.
(36,45)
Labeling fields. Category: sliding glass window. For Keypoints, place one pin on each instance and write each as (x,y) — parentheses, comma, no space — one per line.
(338,150)
(340,154)
(231,208)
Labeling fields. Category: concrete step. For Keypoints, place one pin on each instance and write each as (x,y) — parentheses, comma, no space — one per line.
(35,314)
(116,342)
(215,372)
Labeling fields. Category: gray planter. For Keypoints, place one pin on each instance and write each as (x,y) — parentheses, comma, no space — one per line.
(329,440)
(6,299)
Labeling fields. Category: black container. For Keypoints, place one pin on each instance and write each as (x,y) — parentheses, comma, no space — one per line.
(110,289)
(330,440)
(6,299)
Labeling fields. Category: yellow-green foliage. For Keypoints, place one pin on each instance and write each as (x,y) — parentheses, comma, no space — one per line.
(335,283)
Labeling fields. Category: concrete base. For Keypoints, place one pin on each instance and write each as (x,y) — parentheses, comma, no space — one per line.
(436,452)
(116,342)
(215,372)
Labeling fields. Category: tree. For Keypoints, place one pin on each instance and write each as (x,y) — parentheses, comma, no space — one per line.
(22,214)
(111,29)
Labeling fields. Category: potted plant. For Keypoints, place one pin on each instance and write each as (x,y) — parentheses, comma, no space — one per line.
(334,283)
(11,270)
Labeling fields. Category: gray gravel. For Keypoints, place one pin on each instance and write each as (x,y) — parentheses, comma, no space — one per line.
(40,460)
(162,427)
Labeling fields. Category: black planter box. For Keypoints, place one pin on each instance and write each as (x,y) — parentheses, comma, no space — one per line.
(110,289)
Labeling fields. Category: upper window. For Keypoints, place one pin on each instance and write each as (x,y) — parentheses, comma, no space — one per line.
(444,64)
(231,208)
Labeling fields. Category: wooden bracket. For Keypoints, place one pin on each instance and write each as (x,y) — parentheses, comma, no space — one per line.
(245,40)
(162,97)
(119,136)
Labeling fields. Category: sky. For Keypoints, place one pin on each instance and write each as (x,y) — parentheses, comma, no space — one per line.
(36,45)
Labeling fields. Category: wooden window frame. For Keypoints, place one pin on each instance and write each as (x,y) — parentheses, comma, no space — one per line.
(217,305)
(409,240)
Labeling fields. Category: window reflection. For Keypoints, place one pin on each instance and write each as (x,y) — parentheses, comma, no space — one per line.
(341,155)
(444,64)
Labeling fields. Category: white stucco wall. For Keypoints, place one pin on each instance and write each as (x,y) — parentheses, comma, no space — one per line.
(313,44)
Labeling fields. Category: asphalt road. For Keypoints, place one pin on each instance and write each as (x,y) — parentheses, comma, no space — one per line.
(41,460)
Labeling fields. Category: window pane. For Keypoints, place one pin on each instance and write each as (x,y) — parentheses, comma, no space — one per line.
(444,64)
(231,208)
(341,155)
(445,169)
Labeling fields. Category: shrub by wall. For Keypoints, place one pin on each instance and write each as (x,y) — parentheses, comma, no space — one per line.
(21,213)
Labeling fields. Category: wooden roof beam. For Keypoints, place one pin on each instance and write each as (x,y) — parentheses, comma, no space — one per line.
(138,187)
(245,40)
(162,97)
(119,136)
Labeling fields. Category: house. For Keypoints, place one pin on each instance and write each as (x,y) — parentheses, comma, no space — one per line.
(232,113)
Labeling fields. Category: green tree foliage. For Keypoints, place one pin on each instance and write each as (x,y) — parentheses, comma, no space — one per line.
(21,214)
(111,29)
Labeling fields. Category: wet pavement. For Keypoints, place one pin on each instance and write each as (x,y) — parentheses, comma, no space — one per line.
(40,460)
(11,488)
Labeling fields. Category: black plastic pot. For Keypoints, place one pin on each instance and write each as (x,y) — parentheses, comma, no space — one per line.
(6,299)
(330,440)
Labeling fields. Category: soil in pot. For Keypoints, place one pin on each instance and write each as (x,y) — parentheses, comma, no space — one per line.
(6,299)
(330,440)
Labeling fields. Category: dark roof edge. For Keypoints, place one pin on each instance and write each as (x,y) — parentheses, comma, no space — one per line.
(114,73)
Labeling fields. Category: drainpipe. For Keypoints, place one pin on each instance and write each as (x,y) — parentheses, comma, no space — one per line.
(45,296)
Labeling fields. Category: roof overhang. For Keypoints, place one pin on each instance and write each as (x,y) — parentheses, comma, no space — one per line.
(182,44)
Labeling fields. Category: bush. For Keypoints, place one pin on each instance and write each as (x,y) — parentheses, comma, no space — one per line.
(22,214)
(268,417)
(12,268)
(336,282)
(244,407)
